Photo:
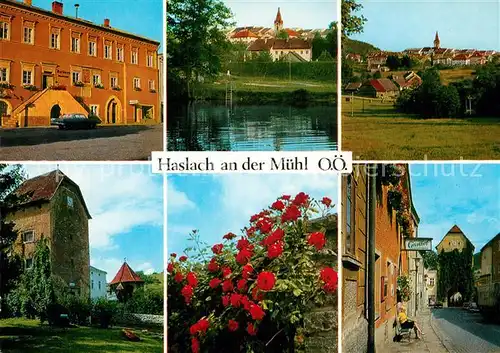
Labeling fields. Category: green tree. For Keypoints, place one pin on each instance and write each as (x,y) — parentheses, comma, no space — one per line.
(319,45)
(196,39)
(455,273)
(325,56)
(393,62)
(282,34)
(351,23)
(407,62)
(377,75)
(10,264)
(430,259)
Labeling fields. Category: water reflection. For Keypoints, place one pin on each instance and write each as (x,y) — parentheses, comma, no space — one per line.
(216,127)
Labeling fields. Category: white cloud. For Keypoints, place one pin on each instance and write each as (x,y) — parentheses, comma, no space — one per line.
(119,197)
(146,267)
(177,200)
(111,265)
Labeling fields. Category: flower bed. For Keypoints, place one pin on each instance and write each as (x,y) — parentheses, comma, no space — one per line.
(255,290)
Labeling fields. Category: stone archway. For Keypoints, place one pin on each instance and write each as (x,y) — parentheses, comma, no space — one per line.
(5,109)
(113,111)
(55,111)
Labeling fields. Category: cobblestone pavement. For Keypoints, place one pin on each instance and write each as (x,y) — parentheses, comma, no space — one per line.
(429,343)
(106,143)
(465,332)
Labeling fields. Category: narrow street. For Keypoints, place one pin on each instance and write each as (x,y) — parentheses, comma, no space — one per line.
(464,332)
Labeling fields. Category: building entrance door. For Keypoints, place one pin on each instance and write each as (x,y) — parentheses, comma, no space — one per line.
(47,81)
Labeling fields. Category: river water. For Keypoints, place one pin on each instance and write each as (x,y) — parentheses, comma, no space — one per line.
(217,127)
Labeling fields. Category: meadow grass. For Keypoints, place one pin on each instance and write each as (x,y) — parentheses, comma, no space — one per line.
(376,131)
(26,336)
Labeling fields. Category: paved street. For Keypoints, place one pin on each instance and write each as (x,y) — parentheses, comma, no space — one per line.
(465,332)
(106,143)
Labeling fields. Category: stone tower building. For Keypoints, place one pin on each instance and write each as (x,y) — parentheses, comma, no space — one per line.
(52,207)
(278,22)
(437,42)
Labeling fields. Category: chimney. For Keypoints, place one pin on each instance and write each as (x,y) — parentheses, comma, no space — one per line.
(76,10)
(106,22)
(28,2)
(57,7)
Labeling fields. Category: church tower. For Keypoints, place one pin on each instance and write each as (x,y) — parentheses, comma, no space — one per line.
(278,22)
(437,42)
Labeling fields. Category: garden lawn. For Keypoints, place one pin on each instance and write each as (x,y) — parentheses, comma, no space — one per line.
(26,336)
(379,132)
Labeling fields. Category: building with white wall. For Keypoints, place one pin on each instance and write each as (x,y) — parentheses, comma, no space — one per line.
(97,283)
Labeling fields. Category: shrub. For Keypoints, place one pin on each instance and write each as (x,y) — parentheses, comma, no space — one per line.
(144,301)
(103,311)
(253,292)
(79,309)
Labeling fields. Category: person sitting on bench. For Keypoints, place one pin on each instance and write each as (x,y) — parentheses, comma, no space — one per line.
(406,323)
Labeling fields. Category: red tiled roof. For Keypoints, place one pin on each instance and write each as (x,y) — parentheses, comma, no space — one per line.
(461,57)
(43,187)
(383,85)
(126,274)
(292,43)
(245,33)
(455,229)
(291,32)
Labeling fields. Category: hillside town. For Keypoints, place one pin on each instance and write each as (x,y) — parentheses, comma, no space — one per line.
(293,44)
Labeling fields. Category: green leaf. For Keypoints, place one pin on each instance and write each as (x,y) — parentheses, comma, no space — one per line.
(297,292)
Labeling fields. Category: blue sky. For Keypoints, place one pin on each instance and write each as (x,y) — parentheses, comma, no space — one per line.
(217,204)
(467,195)
(126,205)
(400,24)
(142,17)
(295,13)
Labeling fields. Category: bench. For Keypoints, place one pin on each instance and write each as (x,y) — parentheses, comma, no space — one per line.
(402,332)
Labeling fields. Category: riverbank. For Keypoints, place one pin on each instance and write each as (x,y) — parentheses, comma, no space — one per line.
(263,90)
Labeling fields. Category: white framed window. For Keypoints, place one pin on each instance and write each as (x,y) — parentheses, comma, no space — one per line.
(69,201)
(4,74)
(75,77)
(137,83)
(114,81)
(28,263)
(134,56)
(151,84)
(92,48)
(28,236)
(28,35)
(99,285)
(119,53)
(94,109)
(92,285)
(108,51)
(4,30)
(55,40)
(27,77)
(75,45)
(96,79)
(150,60)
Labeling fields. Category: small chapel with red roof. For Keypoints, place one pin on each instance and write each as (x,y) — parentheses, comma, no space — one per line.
(125,282)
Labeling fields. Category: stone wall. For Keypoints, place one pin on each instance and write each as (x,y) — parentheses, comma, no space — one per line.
(140,319)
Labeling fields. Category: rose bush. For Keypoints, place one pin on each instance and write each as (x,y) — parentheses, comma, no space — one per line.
(252,292)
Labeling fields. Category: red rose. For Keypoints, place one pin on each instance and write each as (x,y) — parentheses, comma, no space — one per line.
(187,293)
(195,345)
(200,327)
(278,205)
(242,285)
(242,244)
(328,275)
(326,201)
(246,302)
(233,325)
(217,249)
(174,255)
(212,266)
(292,213)
(330,287)
(246,271)
(300,199)
(244,256)
(266,280)
(229,236)
(254,218)
(227,286)
(252,331)
(317,240)
(226,272)
(285,197)
(191,279)
(235,300)
(183,258)
(178,277)
(257,312)
(226,300)
(170,268)
(251,231)
(264,225)
(214,283)
(275,250)
(275,236)
(257,295)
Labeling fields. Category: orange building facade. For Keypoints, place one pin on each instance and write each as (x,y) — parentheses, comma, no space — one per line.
(45,54)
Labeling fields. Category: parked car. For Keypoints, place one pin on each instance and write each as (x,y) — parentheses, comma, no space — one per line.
(473,307)
(75,121)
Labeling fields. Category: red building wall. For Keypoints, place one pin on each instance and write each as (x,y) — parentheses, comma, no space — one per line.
(59,64)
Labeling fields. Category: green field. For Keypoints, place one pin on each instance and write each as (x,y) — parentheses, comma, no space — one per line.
(27,336)
(377,131)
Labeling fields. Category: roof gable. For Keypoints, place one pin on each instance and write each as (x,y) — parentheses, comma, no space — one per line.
(126,275)
(456,230)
